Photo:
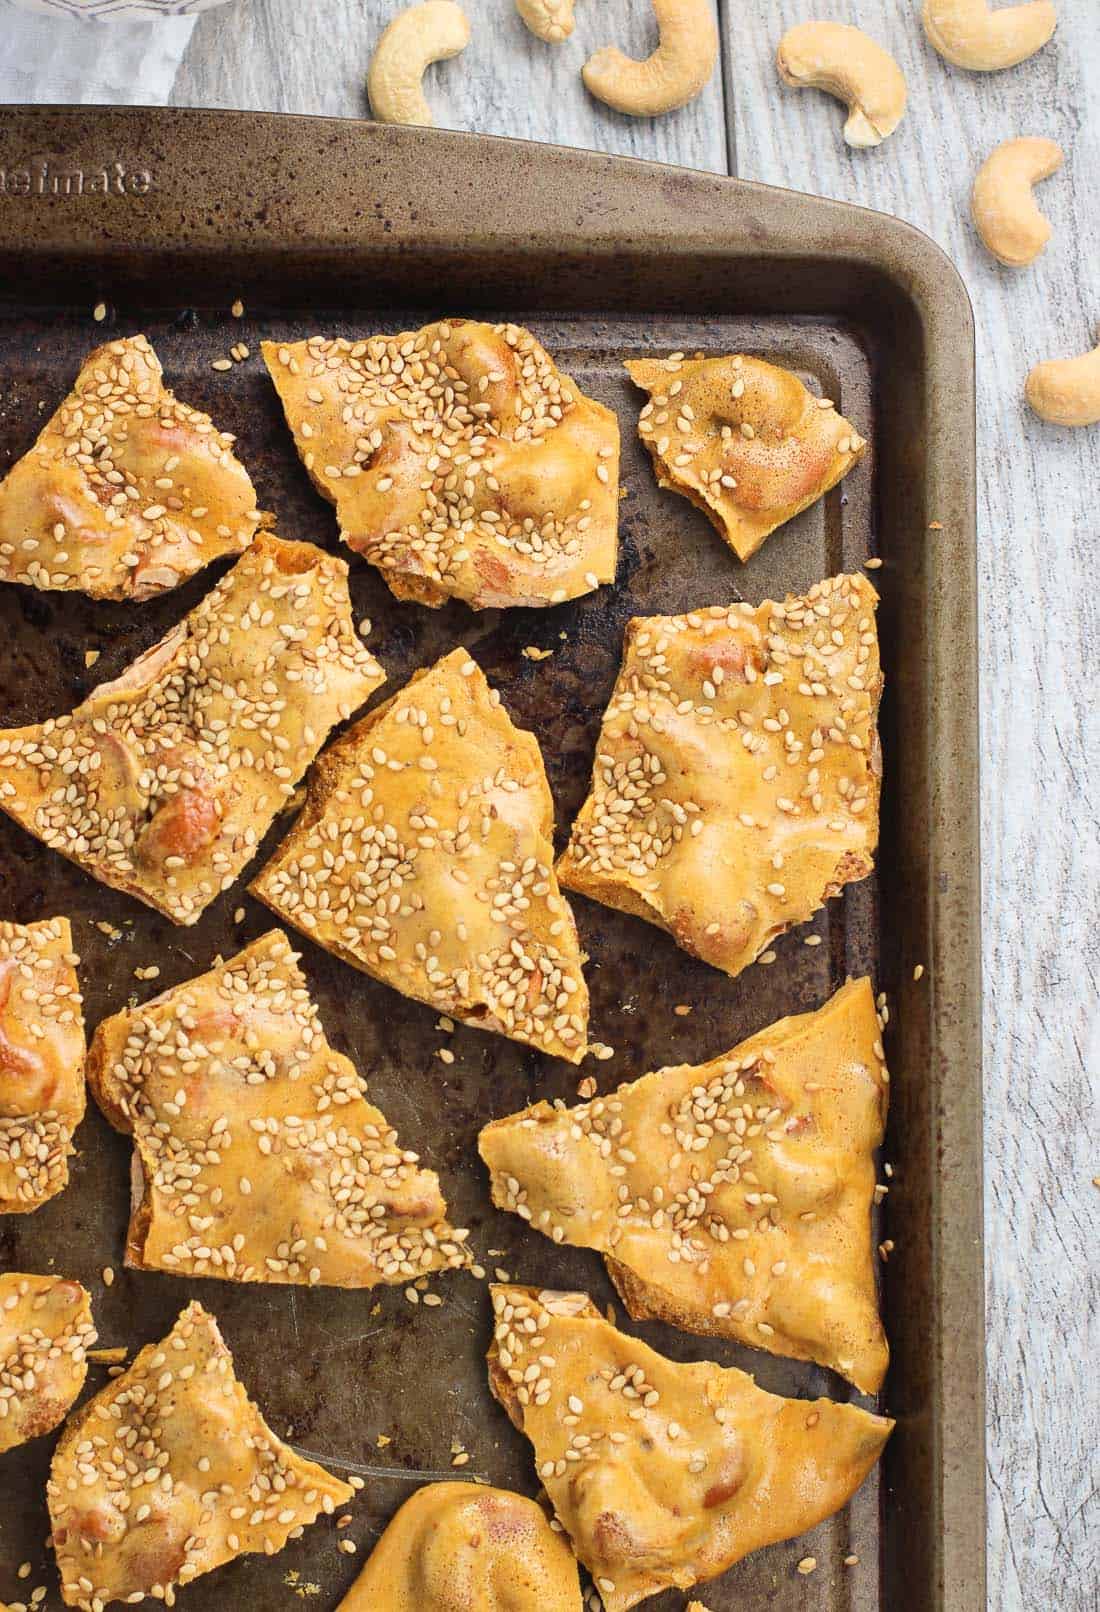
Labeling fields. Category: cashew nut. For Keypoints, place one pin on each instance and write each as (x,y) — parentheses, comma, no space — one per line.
(672,76)
(1004,209)
(850,65)
(969,34)
(551,20)
(1066,391)
(415,38)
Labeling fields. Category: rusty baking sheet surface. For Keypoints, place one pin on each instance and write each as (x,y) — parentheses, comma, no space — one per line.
(369,1382)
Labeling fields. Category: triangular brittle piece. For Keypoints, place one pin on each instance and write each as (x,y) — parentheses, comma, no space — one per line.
(455,1546)
(736,780)
(732,1198)
(45,1333)
(41,1061)
(662,1474)
(257,1157)
(171,1471)
(423,857)
(127,491)
(461,461)
(743,440)
(164,781)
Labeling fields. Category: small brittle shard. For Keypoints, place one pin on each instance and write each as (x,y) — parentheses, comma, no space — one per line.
(163,782)
(127,491)
(743,440)
(461,461)
(170,1471)
(424,857)
(257,1157)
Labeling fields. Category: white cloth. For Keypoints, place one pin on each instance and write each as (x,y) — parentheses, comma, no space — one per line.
(113,62)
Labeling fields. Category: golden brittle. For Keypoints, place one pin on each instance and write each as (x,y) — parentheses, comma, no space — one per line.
(459,1547)
(45,1334)
(127,491)
(424,857)
(736,779)
(257,1157)
(662,1474)
(732,1198)
(41,1061)
(743,440)
(170,1471)
(461,461)
(164,781)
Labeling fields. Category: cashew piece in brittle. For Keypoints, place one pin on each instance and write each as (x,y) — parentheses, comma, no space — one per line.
(416,37)
(550,20)
(1005,212)
(970,34)
(848,64)
(1066,391)
(675,72)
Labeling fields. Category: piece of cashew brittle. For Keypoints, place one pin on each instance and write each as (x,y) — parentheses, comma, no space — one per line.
(673,75)
(417,37)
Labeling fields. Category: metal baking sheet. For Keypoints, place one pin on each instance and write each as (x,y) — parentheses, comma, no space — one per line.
(324,226)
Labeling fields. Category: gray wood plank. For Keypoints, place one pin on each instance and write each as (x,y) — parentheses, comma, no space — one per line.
(1040,729)
(278,55)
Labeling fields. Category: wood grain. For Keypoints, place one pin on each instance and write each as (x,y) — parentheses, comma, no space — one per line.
(1040,629)
(281,55)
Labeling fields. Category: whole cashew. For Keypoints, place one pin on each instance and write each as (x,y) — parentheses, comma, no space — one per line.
(846,62)
(672,76)
(969,34)
(1004,209)
(551,20)
(1066,391)
(415,38)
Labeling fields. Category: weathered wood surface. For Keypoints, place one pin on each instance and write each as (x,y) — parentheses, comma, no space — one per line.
(1040,489)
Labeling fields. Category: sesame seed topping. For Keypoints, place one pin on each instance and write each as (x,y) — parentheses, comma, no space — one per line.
(390,840)
(102,463)
(163,782)
(427,439)
(275,1168)
(740,738)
